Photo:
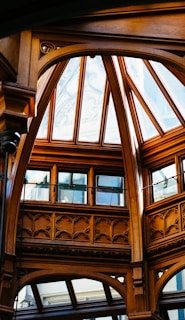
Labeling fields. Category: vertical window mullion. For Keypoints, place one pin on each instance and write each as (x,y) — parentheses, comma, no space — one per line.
(53,184)
(91,189)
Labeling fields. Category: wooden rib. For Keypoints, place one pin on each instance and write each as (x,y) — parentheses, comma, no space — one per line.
(71,293)
(131,102)
(144,105)
(79,98)
(37,297)
(104,112)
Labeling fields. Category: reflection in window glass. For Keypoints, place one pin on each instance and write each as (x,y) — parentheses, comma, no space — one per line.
(36,187)
(72,187)
(109,190)
(164,182)
(92,101)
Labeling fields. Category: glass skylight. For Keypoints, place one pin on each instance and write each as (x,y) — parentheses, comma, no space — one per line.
(69,294)
(82,109)
(151,94)
(174,87)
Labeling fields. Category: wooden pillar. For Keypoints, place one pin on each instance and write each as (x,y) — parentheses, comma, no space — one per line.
(7,281)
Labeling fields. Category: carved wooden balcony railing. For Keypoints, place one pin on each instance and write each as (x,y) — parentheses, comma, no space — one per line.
(67,227)
(165,227)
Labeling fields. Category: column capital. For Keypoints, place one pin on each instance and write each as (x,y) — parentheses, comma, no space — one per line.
(17,104)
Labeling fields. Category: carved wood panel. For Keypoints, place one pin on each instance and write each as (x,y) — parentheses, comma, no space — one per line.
(163,223)
(111,230)
(35,225)
(89,228)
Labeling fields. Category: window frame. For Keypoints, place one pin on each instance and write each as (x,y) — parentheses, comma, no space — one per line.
(48,170)
(108,189)
(83,187)
(91,174)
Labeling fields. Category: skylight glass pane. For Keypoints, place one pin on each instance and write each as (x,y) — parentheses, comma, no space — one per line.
(151,94)
(174,87)
(176,314)
(115,294)
(92,100)
(112,134)
(146,125)
(43,129)
(176,283)
(66,102)
(25,298)
(52,293)
(88,290)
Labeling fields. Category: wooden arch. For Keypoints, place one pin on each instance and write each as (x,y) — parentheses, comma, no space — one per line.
(24,151)
(56,275)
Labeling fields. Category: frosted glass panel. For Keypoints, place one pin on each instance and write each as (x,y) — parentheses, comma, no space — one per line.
(92,101)
(175,88)
(66,102)
(147,128)
(112,134)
